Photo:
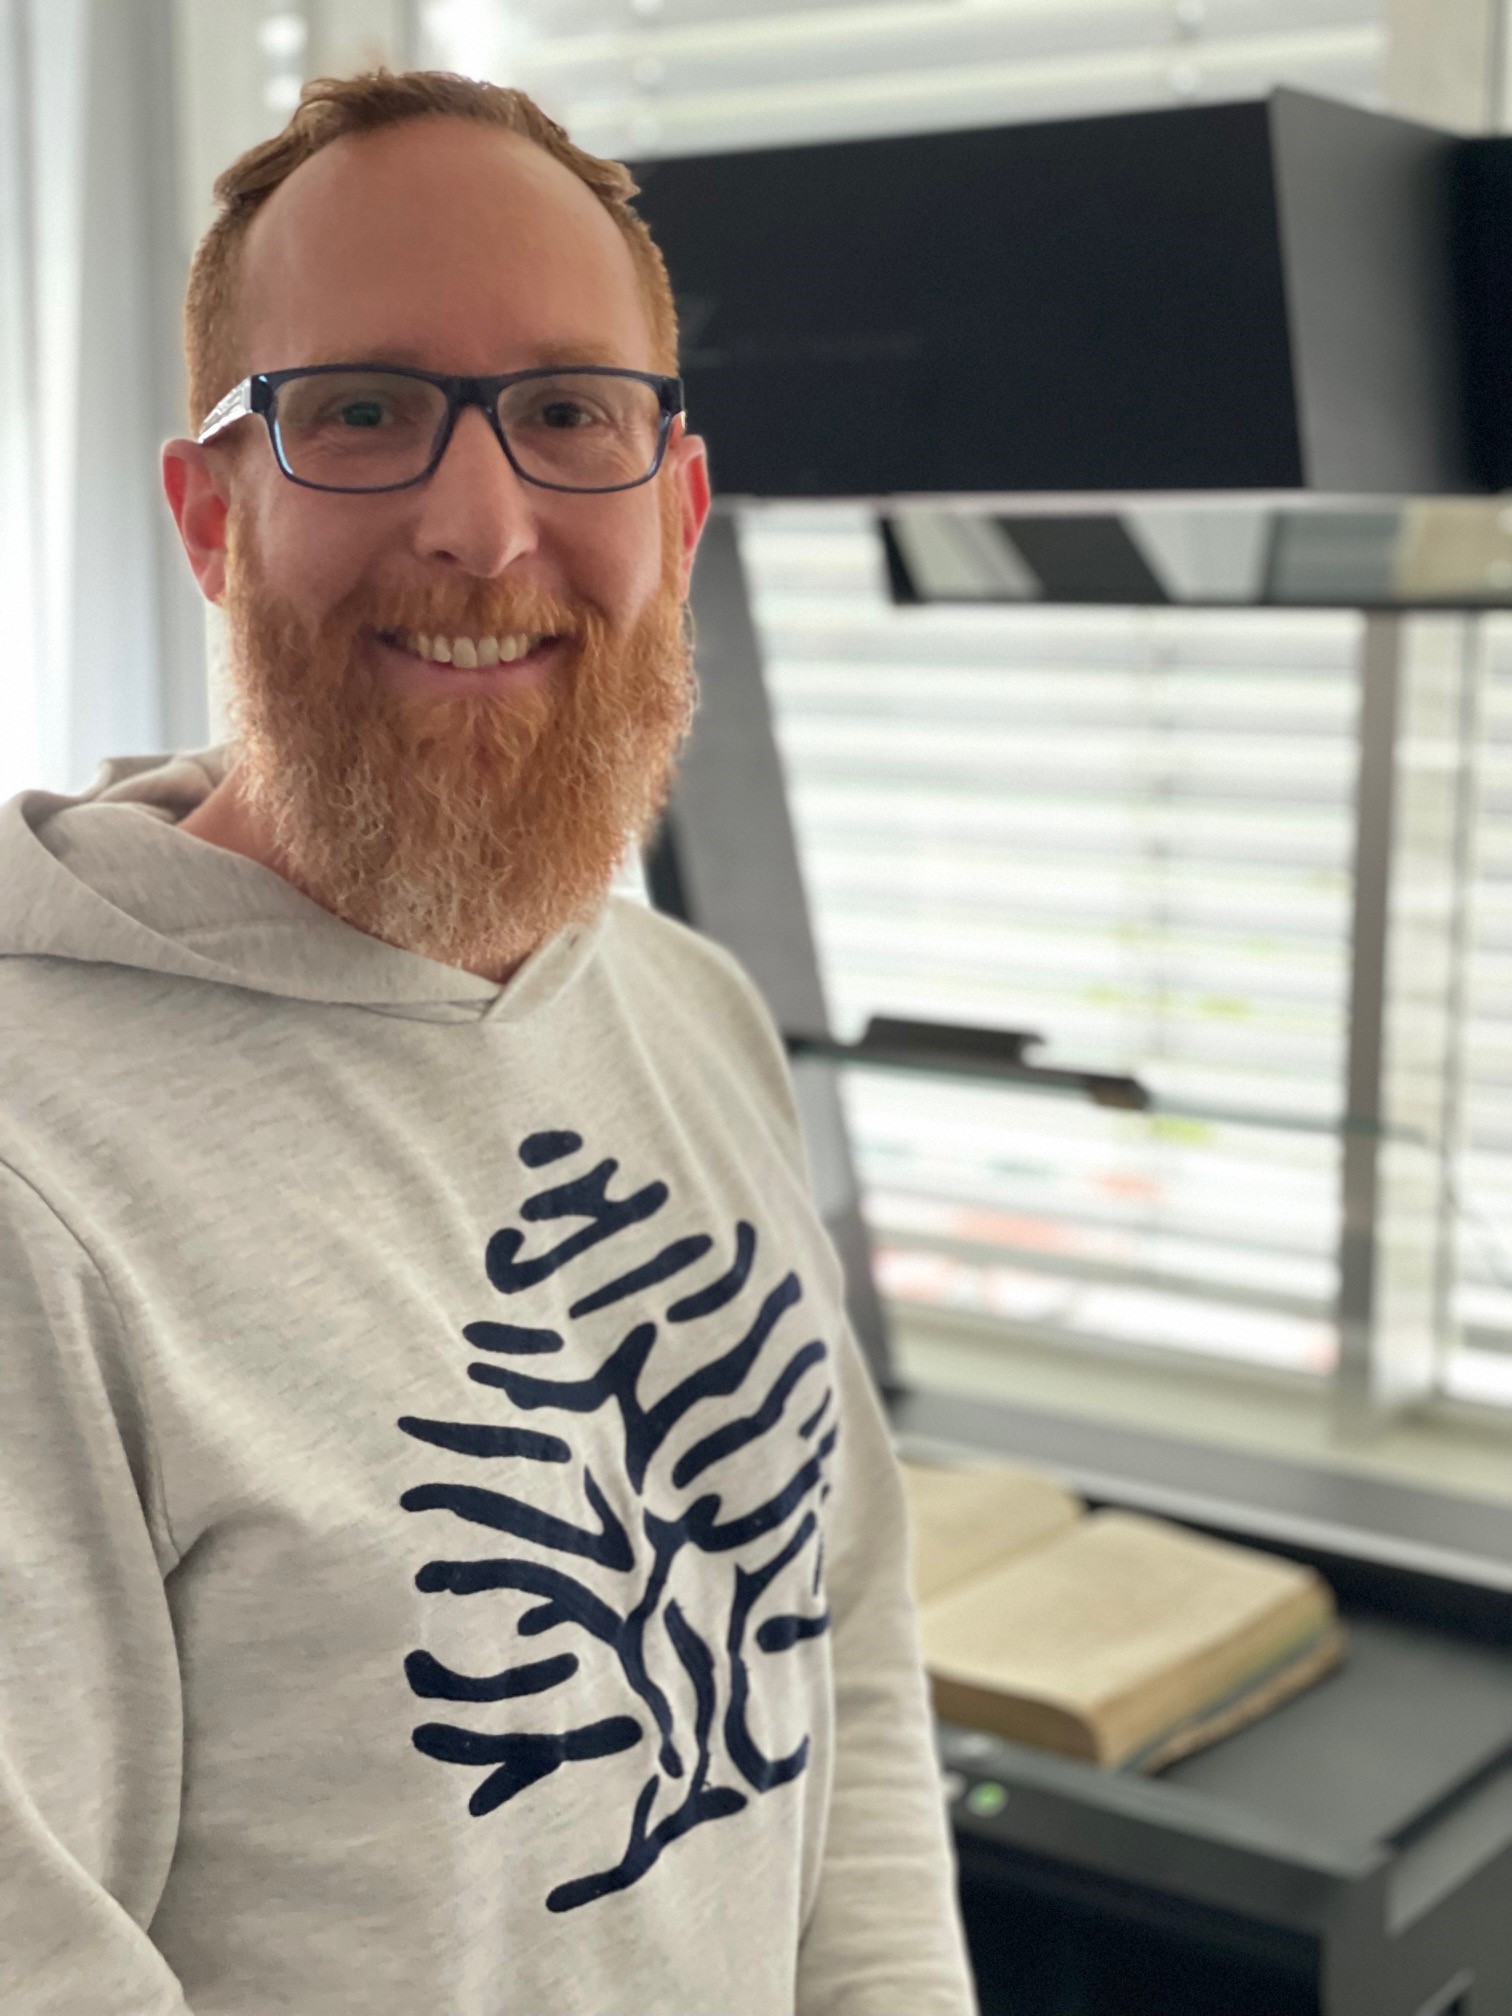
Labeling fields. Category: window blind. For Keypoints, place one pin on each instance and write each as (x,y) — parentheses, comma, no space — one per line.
(691,76)
(1132,833)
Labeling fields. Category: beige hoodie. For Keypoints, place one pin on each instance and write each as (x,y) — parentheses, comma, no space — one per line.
(452,1560)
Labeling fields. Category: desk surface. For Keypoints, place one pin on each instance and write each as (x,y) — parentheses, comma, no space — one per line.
(1405,1723)
(1420,1709)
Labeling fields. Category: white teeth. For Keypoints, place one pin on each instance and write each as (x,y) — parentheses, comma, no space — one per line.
(469,652)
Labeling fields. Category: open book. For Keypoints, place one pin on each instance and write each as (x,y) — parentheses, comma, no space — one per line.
(1109,1636)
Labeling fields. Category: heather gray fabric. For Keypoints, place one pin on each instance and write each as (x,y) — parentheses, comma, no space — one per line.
(451,1558)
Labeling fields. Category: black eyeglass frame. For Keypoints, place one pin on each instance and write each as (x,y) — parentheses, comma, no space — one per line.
(258,394)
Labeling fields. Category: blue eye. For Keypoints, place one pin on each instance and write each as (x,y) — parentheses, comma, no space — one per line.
(362,413)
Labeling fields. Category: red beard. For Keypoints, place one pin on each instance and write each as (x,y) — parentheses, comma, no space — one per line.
(467,829)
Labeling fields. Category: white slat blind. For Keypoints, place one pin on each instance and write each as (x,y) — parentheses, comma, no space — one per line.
(632,78)
(1132,833)
(1129,832)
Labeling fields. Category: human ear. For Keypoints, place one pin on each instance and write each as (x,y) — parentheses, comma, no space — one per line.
(690,474)
(198,500)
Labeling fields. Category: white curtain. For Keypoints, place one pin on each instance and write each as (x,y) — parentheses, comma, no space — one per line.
(104,651)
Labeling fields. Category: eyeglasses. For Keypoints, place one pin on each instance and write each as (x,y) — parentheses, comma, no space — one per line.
(359,427)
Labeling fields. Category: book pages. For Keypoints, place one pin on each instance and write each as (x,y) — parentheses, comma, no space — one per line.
(966,1520)
(1272,1690)
(1113,1632)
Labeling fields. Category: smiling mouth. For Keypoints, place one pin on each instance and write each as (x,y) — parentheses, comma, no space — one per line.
(467,652)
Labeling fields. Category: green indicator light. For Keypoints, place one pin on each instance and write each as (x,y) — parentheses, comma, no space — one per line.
(986,1799)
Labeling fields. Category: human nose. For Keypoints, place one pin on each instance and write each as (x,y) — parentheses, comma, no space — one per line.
(474,510)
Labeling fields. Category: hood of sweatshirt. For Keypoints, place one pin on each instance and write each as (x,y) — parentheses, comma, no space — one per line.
(104,875)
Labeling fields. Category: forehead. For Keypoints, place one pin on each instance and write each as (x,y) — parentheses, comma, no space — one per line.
(456,244)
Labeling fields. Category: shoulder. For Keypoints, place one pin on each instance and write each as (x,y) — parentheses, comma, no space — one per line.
(700,990)
(667,956)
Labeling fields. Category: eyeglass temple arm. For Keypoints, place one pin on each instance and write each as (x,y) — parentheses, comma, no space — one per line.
(236,402)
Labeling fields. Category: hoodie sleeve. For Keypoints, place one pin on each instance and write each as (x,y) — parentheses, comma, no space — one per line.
(885,1932)
(90,1705)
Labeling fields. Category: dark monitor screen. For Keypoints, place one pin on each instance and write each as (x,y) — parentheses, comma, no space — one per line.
(1087,304)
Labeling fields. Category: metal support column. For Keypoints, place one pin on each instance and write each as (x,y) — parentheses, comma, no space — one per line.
(1407,997)
(1375,804)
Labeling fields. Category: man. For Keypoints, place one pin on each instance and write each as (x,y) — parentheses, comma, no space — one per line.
(451,1558)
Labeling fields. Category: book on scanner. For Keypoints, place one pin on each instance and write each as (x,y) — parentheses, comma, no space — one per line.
(1109,1636)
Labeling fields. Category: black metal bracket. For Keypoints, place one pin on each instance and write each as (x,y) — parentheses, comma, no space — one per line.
(960,1050)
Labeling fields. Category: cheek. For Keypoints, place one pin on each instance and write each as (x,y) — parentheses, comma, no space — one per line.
(311,555)
(630,558)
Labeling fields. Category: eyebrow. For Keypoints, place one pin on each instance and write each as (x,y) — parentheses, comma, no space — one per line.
(587,351)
